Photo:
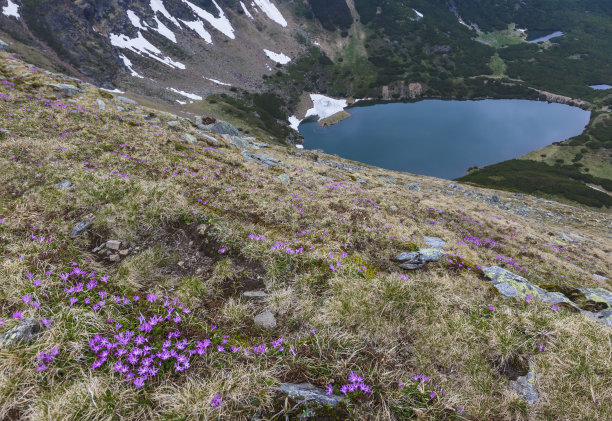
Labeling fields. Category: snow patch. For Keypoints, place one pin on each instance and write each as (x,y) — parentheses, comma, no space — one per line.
(270,9)
(221,24)
(324,106)
(187,94)
(294,123)
(164,30)
(128,64)
(11,9)
(135,20)
(299,146)
(158,6)
(141,46)
(595,188)
(113,91)
(277,57)
(419,14)
(181,102)
(246,11)
(198,27)
(218,82)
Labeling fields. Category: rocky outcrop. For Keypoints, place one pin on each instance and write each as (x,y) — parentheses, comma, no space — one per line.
(310,393)
(24,332)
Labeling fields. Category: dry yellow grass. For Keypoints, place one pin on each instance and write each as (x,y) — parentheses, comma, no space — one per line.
(198,214)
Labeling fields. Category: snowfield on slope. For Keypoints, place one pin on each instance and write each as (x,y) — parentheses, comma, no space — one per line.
(270,9)
(324,106)
(277,57)
(11,9)
(142,47)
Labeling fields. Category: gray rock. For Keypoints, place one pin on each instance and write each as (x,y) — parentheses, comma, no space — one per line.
(413,186)
(393,208)
(173,123)
(524,386)
(207,137)
(120,108)
(310,393)
(340,165)
(113,244)
(114,258)
(431,255)
(127,100)
(79,228)
(66,90)
(411,257)
(4,131)
(189,138)
(254,294)
(64,185)
(600,278)
(101,104)
(24,332)
(197,120)
(265,320)
(495,198)
(3,46)
(434,242)
(261,159)
(566,237)
(238,142)
(221,127)
(412,266)
(284,178)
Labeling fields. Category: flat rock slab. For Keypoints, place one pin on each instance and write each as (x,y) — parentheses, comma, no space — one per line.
(127,100)
(265,320)
(263,160)
(80,228)
(66,89)
(189,138)
(434,242)
(25,331)
(64,185)
(524,386)
(310,393)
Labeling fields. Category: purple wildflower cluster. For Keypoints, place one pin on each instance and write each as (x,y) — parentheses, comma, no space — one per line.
(355,384)
(46,358)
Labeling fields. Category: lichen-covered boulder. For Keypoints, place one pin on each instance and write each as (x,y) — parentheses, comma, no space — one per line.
(524,386)
(25,331)
(310,393)
(434,242)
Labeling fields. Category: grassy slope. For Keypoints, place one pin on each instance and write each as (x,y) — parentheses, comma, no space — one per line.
(192,209)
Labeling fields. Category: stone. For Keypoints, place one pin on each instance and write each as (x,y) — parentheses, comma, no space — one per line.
(173,123)
(265,320)
(263,160)
(66,89)
(495,198)
(127,100)
(284,178)
(393,208)
(254,294)
(412,266)
(79,228)
(434,242)
(411,257)
(207,137)
(120,108)
(222,127)
(431,254)
(341,165)
(197,120)
(101,104)
(4,131)
(237,141)
(3,46)
(600,278)
(413,187)
(114,258)
(310,393)
(124,252)
(524,386)
(24,331)
(113,244)
(597,295)
(64,185)
(189,138)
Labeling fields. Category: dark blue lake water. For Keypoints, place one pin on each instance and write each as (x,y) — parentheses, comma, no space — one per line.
(445,138)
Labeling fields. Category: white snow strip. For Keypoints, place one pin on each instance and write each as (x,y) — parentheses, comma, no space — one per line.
(299,146)
(181,102)
(316,43)
(246,11)
(135,20)
(187,94)
(128,64)
(198,27)
(113,91)
(294,123)
(218,82)
(158,6)
(270,9)
(141,46)
(595,188)
(221,24)
(277,57)
(11,9)
(164,30)
(419,14)
(324,106)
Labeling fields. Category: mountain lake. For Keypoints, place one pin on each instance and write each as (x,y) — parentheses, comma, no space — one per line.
(444,138)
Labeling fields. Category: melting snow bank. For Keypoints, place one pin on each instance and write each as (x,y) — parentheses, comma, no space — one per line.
(323,107)
(221,24)
(141,46)
(218,82)
(246,11)
(113,91)
(277,57)
(187,94)
(270,9)
(11,9)
(419,14)
(128,64)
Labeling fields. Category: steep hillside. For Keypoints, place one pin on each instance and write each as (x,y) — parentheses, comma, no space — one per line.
(155,269)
